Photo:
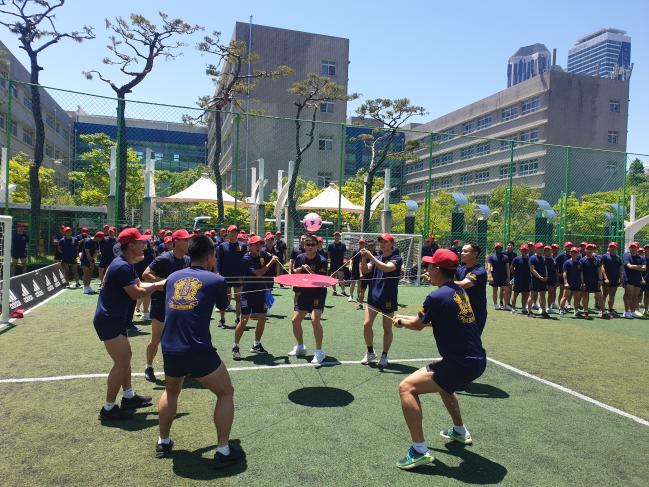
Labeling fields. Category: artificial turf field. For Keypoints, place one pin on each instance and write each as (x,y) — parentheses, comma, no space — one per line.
(336,425)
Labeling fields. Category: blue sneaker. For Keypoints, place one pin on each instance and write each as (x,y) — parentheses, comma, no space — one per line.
(414,459)
(451,434)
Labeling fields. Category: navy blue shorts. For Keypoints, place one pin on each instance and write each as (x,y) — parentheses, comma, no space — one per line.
(193,364)
(593,287)
(500,282)
(455,376)
(253,304)
(521,287)
(551,282)
(538,286)
(69,260)
(158,311)
(108,331)
(575,289)
(309,302)
(386,307)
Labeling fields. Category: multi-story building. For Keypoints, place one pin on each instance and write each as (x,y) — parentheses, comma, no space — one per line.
(59,136)
(605,53)
(554,108)
(273,139)
(175,146)
(527,62)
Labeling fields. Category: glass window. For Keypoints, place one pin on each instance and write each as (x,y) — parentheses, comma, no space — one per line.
(2,121)
(466,179)
(504,171)
(14,128)
(506,144)
(443,137)
(445,183)
(28,137)
(482,199)
(442,159)
(468,127)
(528,167)
(57,154)
(611,168)
(140,155)
(49,120)
(324,178)
(481,175)
(530,106)
(614,106)
(508,113)
(418,166)
(529,136)
(328,68)
(27,101)
(49,151)
(14,91)
(176,157)
(58,128)
(158,156)
(483,149)
(612,136)
(484,122)
(327,107)
(3,79)
(326,143)
(467,152)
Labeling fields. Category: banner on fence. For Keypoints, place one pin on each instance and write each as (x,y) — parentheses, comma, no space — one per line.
(28,290)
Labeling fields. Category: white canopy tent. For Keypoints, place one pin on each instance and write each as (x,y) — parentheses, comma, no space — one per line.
(328,200)
(203,190)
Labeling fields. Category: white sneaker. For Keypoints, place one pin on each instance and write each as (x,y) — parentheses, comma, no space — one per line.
(318,357)
(146,316)
(513,311)
(498,307)
(535,307)
(638,314)
(507,307)
(350,299)
(297,351)
(628,315)
(369,357)
(86,290)
(551,311)
(383,361)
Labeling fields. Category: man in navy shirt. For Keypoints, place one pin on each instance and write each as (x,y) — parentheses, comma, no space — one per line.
(472,277)
(385,271)
(228,262)
(69,254)
(552,280)
(611,273)
(572,280)
(19,242)
(539,280)
(158,270)
(89,249)
(143,305)
(522,278)
(280,247)
(257,264)
(635,266)
(187,350)
(336,253)
(112,317)
(295,252)
(559,261)
(455,247)
(355,274)
(448,310)
(498,277)
(106,252)
(309,300)
(591,271)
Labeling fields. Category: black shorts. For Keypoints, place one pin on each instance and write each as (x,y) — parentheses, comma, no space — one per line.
(158,311)
(593,287)
(309,302)
(500,283)
(612,284)
(106,331)
(538,286)
(455,376)
(551,283)
(193,364)
(85,263)
(233,281)
(365,281)
(355,275)
(253,303)
(386,307)
(69,260)
(575,289)
(521,287)
(333,267)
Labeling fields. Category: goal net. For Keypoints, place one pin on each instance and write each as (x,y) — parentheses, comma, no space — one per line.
(408,245)
(5,266)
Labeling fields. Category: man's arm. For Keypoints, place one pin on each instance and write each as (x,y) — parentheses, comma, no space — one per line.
(260,272)
(142,289)
(410,322)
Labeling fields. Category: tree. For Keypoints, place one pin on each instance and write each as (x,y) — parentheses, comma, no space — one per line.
(636,173)
(19,169)
(310,92)
(392,114)
(33,22)
(140,41)
(523,207)
(230,83)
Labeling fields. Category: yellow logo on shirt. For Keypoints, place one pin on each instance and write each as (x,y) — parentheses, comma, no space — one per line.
(185,291)
(465,314)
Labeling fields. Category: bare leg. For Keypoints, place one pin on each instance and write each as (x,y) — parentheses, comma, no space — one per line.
(318,333)
(156,334)
(417,383)
(387,333)
(220,384)
(298,316)
(368,322)
(168,404)
(261,325)
(119,350)
(241,327)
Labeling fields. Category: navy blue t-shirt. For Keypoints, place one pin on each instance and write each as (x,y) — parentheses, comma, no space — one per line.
(478,292)
(19,245)
(632,276)
(384,285)
(106,250)
(229,256)
(90,245)
(163,266)
(551,270)
(318,265)
(560,259)
(537,262)
(149,255)
(612,264)
(499,263)
(295,252)
(590,270)
(190,297)
(511,256)
(251,263)
(521,268)
(336,254)
(114,306)
(280,250)
(456,331)
(572,268)
(68,247)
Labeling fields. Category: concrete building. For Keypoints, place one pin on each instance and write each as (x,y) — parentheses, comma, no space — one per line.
(527,62)
(273,139)
(59,135)
(555,108)
(605,53)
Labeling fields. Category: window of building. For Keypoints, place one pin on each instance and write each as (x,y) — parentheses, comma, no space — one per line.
(614,106)
(49,120)
(3,79)
(49,151)
(176,157)
(612,136)
(14,91)
(481,176)
(482,149)
(468,127)
(528,167)
(27,101)
(466,179)
(484,122)
(442,159)
(57,154)
(414,188)
(158,156)
(328,68)
(418,166)
(443,137)
(65,133)
(326,143)
(14,128)
(2,121)
(611,168)
(467,152)
(508,113)
(482,199)
(324,178)
(327,107)
(504,171)
(28,136)
(506,144)
(445,183)
(530,106)
(58,128)
(140,155)
(434,184)
(529,136)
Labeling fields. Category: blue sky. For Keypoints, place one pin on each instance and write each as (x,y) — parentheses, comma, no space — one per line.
(440,55)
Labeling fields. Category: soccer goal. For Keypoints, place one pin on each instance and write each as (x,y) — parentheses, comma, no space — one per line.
(409,246)
(5,266)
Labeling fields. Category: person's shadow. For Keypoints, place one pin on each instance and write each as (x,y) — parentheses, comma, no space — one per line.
(193,465)
(476,389)
(473,469)
(140,421)
(265,359)
(394,368)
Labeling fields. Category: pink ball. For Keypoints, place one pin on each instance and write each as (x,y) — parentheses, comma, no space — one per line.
(312,222)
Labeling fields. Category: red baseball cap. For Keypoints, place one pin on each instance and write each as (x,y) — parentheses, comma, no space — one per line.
(555,246)
(67,229)
(547,247)
(583,244)
(591,246)
(112,229)
(241,236)
(243,230)
(130,235)
(84,230)
(148,231)
(360,240)
(634,244)
(106,227)
(498,244)
(161,232)
(538,245)
(181,234)
(232,228)
(387,237)
(255,239)
(100,234)
(168,239)
(522,247)
(574,249)
(269,235)
(568,245)
(455,242)
(278,232)
(319,238)
(443,258)
(646,246)
(612,244)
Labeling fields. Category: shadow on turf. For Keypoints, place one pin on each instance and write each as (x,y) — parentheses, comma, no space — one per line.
(394,368)
(321,397)
(265,359)
(188,383)
(139,422)
(475,389)
(473,469)
(193,465)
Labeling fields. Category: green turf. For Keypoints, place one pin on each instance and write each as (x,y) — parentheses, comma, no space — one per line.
(339,425)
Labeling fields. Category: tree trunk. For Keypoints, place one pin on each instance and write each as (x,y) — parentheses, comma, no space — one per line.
(216,169)
(367,202)
(122,155)
(34,180)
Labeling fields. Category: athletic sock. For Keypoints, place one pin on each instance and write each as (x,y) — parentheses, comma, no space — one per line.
(370,349)
(164,441)
(420,448)
(236,345)
(128,393)
(109,405)
(223,450)
(460,430)
(149,365)
(255,343)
